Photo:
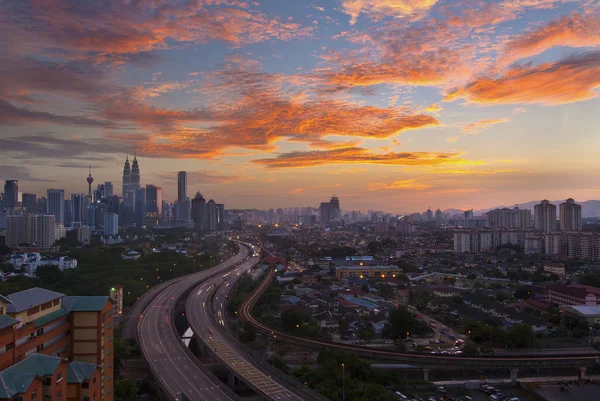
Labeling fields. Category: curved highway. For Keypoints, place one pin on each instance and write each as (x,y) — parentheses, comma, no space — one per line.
(432,361)
(205,310)
(170,361)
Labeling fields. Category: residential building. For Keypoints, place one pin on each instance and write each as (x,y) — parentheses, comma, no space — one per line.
(572,295)
(545,216)
(116,294)
(554,268)
(111,224)
(47,322)
(181,186)
(570,216)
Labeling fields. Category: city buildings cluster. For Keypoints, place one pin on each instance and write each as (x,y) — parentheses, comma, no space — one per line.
(39,222)
(543,234)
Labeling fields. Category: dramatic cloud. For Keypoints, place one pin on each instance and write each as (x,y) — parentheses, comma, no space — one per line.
(402,184)
(44,145)
(575,30)
(119,31)
(12,115)
(480,125)
(566,81)
(359,156)
(394,8)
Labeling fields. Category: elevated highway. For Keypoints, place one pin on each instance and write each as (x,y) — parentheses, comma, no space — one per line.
(205,311)
(174,366)
(419,360)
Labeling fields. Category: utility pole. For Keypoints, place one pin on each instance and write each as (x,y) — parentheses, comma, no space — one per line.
(343,382)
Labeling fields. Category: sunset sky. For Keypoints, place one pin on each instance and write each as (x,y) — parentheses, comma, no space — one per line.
(393,105)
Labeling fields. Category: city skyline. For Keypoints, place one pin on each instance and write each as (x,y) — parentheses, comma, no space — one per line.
(389,104)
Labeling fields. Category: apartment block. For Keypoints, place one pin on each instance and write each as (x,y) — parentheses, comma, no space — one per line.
(48,378)
(39,321)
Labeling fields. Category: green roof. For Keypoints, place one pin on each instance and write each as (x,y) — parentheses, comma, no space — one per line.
(50,317)
(77,371)
(84,303)
(17,378)
(6,321)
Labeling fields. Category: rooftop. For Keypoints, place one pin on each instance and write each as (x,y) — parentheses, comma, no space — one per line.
(17,378)
(78,372)
(6,321)
(367,267)
(585,310)
(23,300)
(85,304)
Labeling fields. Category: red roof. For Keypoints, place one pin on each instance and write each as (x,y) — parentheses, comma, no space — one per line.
(273,260)
(345,303)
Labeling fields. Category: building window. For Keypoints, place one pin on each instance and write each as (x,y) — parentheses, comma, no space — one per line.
(47,381)
(10,346)
(33,395)
(58,394)
(94,381)
(59,377)
(40,347)
(33,311)
(85,385)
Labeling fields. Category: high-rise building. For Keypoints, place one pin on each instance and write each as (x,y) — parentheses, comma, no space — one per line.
(211,215)
(45,231)
(140,207)
(68,212)
(570,216)
(220,215)
(325,212)
(29,202)
(153,200)
(126,180)
(544,216)
(79,208)
(181,186)
(135,175)
(16,230)
(111,224)
(11,193)
(509,218)
(335,211)
(438,215)
(116,294)
(42,205)
(56,204)
(198,206)
(108,189)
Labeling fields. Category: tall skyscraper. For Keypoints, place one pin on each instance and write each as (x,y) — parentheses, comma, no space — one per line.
(45,230)
(325,212)
(140,207)
(108,189)
(570,216)
(211,215)
(42,205)
(335,211)
(111,224)
(89,180)
(153,200)
(429,214)
(198,206)
(126,178)
(544,215)
(68,220)
(15,230)
(29,202)
(221,215)
(79,208)
(56,204)
(11,193)
(181,186)
(135,175)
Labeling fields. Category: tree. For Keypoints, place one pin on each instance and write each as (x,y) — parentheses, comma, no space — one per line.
(122,352)
(470,348)
(125,390)
(502,296)
(471,276)
(401,321)
(522,293)
(364,288)
(388,243)
(457,299)
(521,336)
(49,273)
(365,333)
(374,247)
(247,333)
(406,267)
(592,279)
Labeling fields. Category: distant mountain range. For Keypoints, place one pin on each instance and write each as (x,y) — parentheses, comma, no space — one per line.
(590,208)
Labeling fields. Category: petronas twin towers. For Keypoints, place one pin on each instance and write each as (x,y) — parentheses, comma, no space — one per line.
(131,179)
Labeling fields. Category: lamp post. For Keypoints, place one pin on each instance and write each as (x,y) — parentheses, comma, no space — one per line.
(343,382)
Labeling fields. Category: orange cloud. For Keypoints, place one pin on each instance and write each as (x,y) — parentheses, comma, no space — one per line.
(576,30)
(394,8)
(301,190)
(452,139)
(359,156)
(566,81)
(480,125)
(434,108)
(402,184)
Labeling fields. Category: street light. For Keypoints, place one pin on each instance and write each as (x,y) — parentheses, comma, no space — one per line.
(343,382)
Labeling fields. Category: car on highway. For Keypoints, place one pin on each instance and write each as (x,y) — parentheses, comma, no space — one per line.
(492,397)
